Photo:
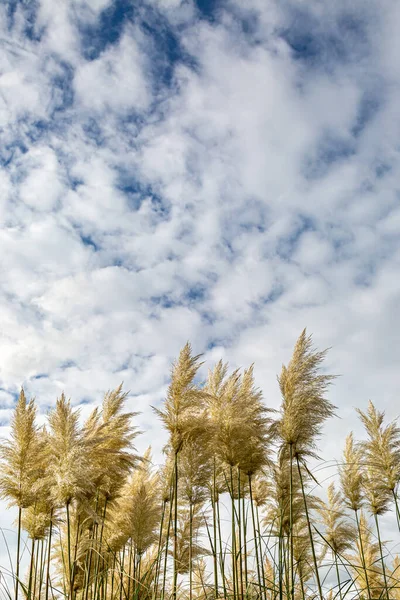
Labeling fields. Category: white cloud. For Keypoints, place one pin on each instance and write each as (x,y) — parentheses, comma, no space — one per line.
(116,80)
(41,188)
(252,193)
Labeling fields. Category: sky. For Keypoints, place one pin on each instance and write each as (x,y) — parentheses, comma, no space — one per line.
(215,171)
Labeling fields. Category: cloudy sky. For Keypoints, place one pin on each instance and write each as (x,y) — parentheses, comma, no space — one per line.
(218,171)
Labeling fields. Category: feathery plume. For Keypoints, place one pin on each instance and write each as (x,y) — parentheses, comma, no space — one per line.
(351,476)
(304,406)
(21,456)
(339,532)
(69,466)
(184,400)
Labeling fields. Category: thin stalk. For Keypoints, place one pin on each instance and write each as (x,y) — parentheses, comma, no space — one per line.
(303,592)
(239,513)
(363,556)
(234,576)
(338,576)
(246,574)
(75,551)
(99,555)
(309,531)
(158,559)
(261,552)
(214,492)
(37,566)
(190,550)
(396,503)
(280,561)
(32,562)
(222,559)
(255,536)
(167,542)
(130,568)
(48,557)
(291,550)
(381,553)
(286,564)
(64,567)
(69,551)
(139,566)
(18,552)
(175,575)
(42,565)
(134,573)
(89,554)
(113,576)
(121,589)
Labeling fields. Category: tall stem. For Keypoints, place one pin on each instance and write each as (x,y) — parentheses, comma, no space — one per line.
(213,502)
(239,512)
(309,531)
(338,576)
(99,555)
(37,566)
(31,565)
(190,550)
(113,576)
(75,552)
(49,557)
(255,536)
(175,577)
(18,553)
(42,565)
(158,558)
(291,550)
(363,555)
(381,553)
(167,542)
(222,558)
(396,503)
(69,551)
(89,554)
(130,568)
(233,532)
(260,546)
(121,589)
(246,574)
(280,557)
(139,565)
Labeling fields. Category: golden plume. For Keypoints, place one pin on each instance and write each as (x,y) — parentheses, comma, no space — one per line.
(339,532)
(256,449)
(196,468)
(21,456)
(109,436)
(381,458)
(184,400)
(69,466)
(139,506)
(351,477)
(304,407)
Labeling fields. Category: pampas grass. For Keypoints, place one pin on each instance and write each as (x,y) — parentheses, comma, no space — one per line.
(236,511)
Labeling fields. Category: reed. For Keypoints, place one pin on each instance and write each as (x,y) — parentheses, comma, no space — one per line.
(236,510)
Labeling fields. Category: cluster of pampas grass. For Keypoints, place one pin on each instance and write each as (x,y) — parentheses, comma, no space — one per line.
(232,513)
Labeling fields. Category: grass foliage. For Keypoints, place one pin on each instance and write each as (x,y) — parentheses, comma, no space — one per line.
(236,511)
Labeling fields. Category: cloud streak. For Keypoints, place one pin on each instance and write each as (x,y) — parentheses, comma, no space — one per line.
(204,171)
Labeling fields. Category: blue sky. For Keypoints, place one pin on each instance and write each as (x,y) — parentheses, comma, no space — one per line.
(223,172)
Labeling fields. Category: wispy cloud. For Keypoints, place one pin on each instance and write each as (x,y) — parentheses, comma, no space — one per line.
(223,172)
